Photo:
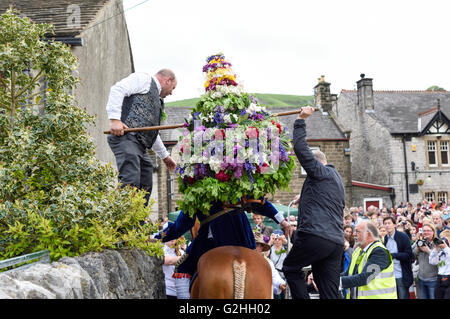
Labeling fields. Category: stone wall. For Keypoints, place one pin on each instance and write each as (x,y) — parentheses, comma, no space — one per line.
(110,274)
(104,59)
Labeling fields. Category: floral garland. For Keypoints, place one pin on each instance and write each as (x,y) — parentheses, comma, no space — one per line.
(231,146)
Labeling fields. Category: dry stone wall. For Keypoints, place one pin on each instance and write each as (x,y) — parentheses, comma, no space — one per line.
(110,274)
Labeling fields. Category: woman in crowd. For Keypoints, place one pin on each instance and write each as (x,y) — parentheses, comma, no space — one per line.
(348,235)
(427,272)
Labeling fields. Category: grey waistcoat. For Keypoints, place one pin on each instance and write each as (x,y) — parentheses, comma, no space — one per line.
(140,110)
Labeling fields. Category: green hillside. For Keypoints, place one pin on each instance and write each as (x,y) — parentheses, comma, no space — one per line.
(265,99)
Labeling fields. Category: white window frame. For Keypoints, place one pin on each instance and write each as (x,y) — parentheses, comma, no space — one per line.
(429,199)
(435,151)
(441,198)
(374,199)
(441,143)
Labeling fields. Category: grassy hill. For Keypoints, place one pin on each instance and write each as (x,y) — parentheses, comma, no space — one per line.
(265,99)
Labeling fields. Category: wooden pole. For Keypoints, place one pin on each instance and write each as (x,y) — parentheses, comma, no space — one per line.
(168,127)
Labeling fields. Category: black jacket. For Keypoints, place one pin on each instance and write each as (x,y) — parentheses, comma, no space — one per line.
(322,199)
(404,255)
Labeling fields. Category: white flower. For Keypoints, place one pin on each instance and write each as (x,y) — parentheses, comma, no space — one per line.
(215,164)
(227,118)
(254,108)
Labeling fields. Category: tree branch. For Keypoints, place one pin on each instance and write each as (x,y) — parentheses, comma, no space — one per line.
(13,99)
(34,80)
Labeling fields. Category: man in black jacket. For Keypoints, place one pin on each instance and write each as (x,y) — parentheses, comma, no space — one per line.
(319,241)
(399,245)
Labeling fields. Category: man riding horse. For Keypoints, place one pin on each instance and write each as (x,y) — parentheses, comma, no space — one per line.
(225,226)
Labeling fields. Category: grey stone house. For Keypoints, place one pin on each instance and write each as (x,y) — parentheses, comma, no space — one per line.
(323,132)
(399,143)
(97,33)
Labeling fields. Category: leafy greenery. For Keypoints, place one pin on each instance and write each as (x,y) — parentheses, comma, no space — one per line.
(54,192)
(435,88)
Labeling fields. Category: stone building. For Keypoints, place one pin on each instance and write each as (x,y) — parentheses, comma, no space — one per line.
(323,132)
(399,143)
(97,33)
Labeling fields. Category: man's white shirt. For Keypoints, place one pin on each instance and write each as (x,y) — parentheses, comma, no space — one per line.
(135,83)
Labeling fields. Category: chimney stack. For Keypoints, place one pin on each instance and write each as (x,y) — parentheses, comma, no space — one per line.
(322,95)
(365,94)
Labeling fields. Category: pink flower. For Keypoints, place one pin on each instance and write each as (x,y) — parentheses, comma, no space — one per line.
(263,168)
(252,132)
(222,176)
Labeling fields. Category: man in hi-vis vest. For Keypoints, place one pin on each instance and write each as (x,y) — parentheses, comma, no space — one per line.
(371,271)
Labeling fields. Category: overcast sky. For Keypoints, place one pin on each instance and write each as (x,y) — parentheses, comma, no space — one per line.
(284,46)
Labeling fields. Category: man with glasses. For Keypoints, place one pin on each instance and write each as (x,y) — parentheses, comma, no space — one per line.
(371,272)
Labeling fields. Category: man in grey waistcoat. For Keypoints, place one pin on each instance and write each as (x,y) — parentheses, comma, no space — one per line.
(137,101)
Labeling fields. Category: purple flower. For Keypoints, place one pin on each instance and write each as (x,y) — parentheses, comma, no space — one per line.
(194,116)
(249,166)
(253,99)
(218,118)
(200,128)
(219,108)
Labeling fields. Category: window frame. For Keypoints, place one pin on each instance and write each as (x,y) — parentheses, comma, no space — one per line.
(446,151)
(442,199)
(437,151)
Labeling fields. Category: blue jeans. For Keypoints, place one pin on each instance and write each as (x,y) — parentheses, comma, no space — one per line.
(426,289)
(402,290)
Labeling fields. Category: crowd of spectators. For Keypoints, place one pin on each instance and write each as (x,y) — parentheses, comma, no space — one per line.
(422,267)
(417,236)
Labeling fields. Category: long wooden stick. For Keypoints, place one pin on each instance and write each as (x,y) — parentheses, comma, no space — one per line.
(168,127)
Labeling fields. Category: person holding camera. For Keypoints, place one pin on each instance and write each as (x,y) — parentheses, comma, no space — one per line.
(427,271)
(440,256)
(399,246)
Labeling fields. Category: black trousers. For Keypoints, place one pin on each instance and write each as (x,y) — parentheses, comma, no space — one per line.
(442,288)
(325,258)
(133,162)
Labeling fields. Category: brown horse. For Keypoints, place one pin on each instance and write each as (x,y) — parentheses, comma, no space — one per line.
(232,272)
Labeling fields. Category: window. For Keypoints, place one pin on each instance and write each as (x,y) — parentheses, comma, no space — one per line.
(429,196)
(444,152)
(438,153)
(432,159)
(442,197)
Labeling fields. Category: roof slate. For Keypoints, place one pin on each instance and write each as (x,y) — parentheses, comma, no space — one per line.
(399,111)
(57,12)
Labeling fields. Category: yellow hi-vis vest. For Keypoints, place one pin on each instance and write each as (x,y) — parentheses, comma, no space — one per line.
(383,286)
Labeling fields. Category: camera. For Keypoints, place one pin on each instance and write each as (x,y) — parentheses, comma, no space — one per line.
(439,241)
(421,243)
(427,213)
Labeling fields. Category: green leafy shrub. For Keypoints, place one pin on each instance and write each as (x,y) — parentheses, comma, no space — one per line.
(54,192)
